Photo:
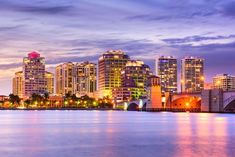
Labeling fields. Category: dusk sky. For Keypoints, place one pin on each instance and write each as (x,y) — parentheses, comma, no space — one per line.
(80,30)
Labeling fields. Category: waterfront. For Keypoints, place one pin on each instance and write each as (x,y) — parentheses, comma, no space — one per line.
(115,134)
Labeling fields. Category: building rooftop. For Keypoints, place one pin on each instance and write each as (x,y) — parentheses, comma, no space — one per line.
(33,55)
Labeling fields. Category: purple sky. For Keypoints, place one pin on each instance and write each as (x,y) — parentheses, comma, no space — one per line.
(69,30)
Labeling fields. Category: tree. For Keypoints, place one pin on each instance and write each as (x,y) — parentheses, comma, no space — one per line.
(36,99)
(14,99)
(27,102)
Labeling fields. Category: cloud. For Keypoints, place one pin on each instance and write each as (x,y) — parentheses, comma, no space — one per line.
(9,66)
(229,9)
(34,9)
(10,28)
(196,38)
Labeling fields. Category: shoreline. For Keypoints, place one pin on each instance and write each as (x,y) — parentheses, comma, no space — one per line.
(75,109)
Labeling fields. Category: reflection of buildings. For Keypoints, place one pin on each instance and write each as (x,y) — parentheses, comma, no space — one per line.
(110,65)
(33,78)
(224,81)
(85,79)
(192,75)
(167,71)
(133,82)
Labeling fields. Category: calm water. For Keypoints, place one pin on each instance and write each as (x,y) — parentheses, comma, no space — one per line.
(115,134)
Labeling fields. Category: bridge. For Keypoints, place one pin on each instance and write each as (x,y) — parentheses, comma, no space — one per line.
(136,105)
(215,100)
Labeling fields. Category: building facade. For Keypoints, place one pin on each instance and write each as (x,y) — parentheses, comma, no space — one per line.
(33,75)
(110,65)
(65,78)
(134,78)
(33,78)
(85,79)
(49,82)
(17,84)
(192,75)
(224,81)
(167,71)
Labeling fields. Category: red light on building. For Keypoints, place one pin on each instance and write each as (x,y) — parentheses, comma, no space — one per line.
(33,55)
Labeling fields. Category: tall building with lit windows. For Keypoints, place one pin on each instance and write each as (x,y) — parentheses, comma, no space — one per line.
(17,84)
(192,74)
(49,82)
(33,75)
(65,77)
(167,71)
(134,77)
(110,65)
(224,81)
(85,79)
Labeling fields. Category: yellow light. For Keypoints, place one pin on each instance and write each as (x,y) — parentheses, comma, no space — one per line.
(187,104)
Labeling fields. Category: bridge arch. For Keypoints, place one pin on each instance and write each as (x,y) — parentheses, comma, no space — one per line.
(229,104)
(136,105)
(133,107)
(187,102)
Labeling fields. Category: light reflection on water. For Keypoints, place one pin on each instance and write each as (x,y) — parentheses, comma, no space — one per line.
(115,134)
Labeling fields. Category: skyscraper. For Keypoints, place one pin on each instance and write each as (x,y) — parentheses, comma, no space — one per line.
(33,75)
(49,82)
(224,81)
(65,75)
(134,77)
(110,65)
(85,79)
(17,84)
(167,71)
(192,75)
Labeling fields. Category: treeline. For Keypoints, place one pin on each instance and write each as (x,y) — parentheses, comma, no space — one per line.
(68,101)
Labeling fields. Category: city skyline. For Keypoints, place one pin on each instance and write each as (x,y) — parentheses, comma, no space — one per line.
(92,28)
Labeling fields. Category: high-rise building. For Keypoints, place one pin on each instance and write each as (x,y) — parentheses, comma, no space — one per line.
(134,78)
(49,82)
(192,75)
(110,65)
(135,74)
(224,81)
(33,79)
(167,71)
(85,79)
(65,76)
(33,74)
(17,84)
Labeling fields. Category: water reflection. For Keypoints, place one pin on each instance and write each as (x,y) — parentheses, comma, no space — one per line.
(116,134)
